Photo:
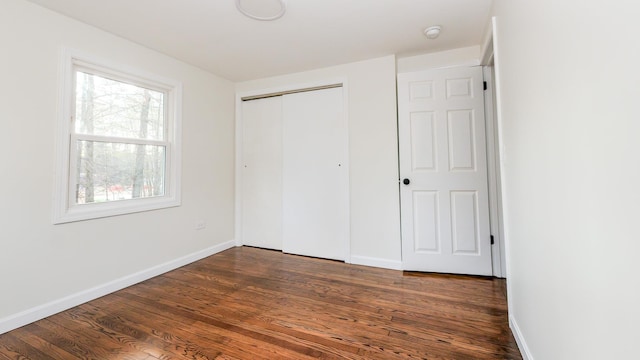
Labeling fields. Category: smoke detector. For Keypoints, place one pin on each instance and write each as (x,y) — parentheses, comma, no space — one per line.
(432,32)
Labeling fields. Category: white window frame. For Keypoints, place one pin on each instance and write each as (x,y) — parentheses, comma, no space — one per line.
(65,207)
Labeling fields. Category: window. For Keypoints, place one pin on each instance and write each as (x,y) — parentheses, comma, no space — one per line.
(118,146)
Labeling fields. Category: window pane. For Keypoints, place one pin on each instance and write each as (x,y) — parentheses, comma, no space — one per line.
(107,107)
(115,171)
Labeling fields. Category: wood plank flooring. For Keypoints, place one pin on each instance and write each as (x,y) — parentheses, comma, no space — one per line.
(248,303)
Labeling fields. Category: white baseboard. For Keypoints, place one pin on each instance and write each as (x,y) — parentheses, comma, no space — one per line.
(28,316)
(376,262)
(522,344)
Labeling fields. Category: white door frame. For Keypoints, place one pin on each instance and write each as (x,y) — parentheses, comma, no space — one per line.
(494,157)
(239,144)
(493,173)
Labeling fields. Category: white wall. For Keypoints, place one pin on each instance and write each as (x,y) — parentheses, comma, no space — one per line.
(467,56)
(569,84)
(42,263)
(375,214)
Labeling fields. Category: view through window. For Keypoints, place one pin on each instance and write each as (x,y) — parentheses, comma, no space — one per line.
(119,149)
(120,140)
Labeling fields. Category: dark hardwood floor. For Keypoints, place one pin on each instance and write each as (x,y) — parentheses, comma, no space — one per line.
(248,303)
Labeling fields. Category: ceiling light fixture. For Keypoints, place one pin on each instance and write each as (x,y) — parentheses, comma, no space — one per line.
(432,32)
(263,10)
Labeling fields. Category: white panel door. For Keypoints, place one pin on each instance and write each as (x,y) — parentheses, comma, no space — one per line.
(444,206)
(315,175)
(262,173)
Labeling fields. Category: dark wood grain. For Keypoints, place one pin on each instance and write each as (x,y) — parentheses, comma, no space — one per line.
(248,303)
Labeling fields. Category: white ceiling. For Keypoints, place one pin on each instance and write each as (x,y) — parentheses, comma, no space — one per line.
(213,35)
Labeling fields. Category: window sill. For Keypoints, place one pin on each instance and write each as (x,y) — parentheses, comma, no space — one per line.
(114,208)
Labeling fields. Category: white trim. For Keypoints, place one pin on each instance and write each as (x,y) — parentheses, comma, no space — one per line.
(493,172)
(376,262)
(240,145)
(63,209)
(239,180)
(347,165)
(460,57)
(28,316)
(503,156)
(522,344)
(493,156)
(61,174)
(515,329)
(118,140)
(486,52)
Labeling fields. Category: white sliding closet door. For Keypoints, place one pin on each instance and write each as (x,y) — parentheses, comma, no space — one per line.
(262,173)
(315,174)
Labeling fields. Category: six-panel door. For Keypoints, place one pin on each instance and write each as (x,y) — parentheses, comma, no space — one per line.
(445,211)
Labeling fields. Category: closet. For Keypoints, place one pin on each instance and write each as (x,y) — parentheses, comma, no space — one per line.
(294,178)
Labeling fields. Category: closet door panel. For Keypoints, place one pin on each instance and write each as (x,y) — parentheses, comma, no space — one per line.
(262,173)
(315,175)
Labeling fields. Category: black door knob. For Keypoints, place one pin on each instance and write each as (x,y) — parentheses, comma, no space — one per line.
(406,181)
